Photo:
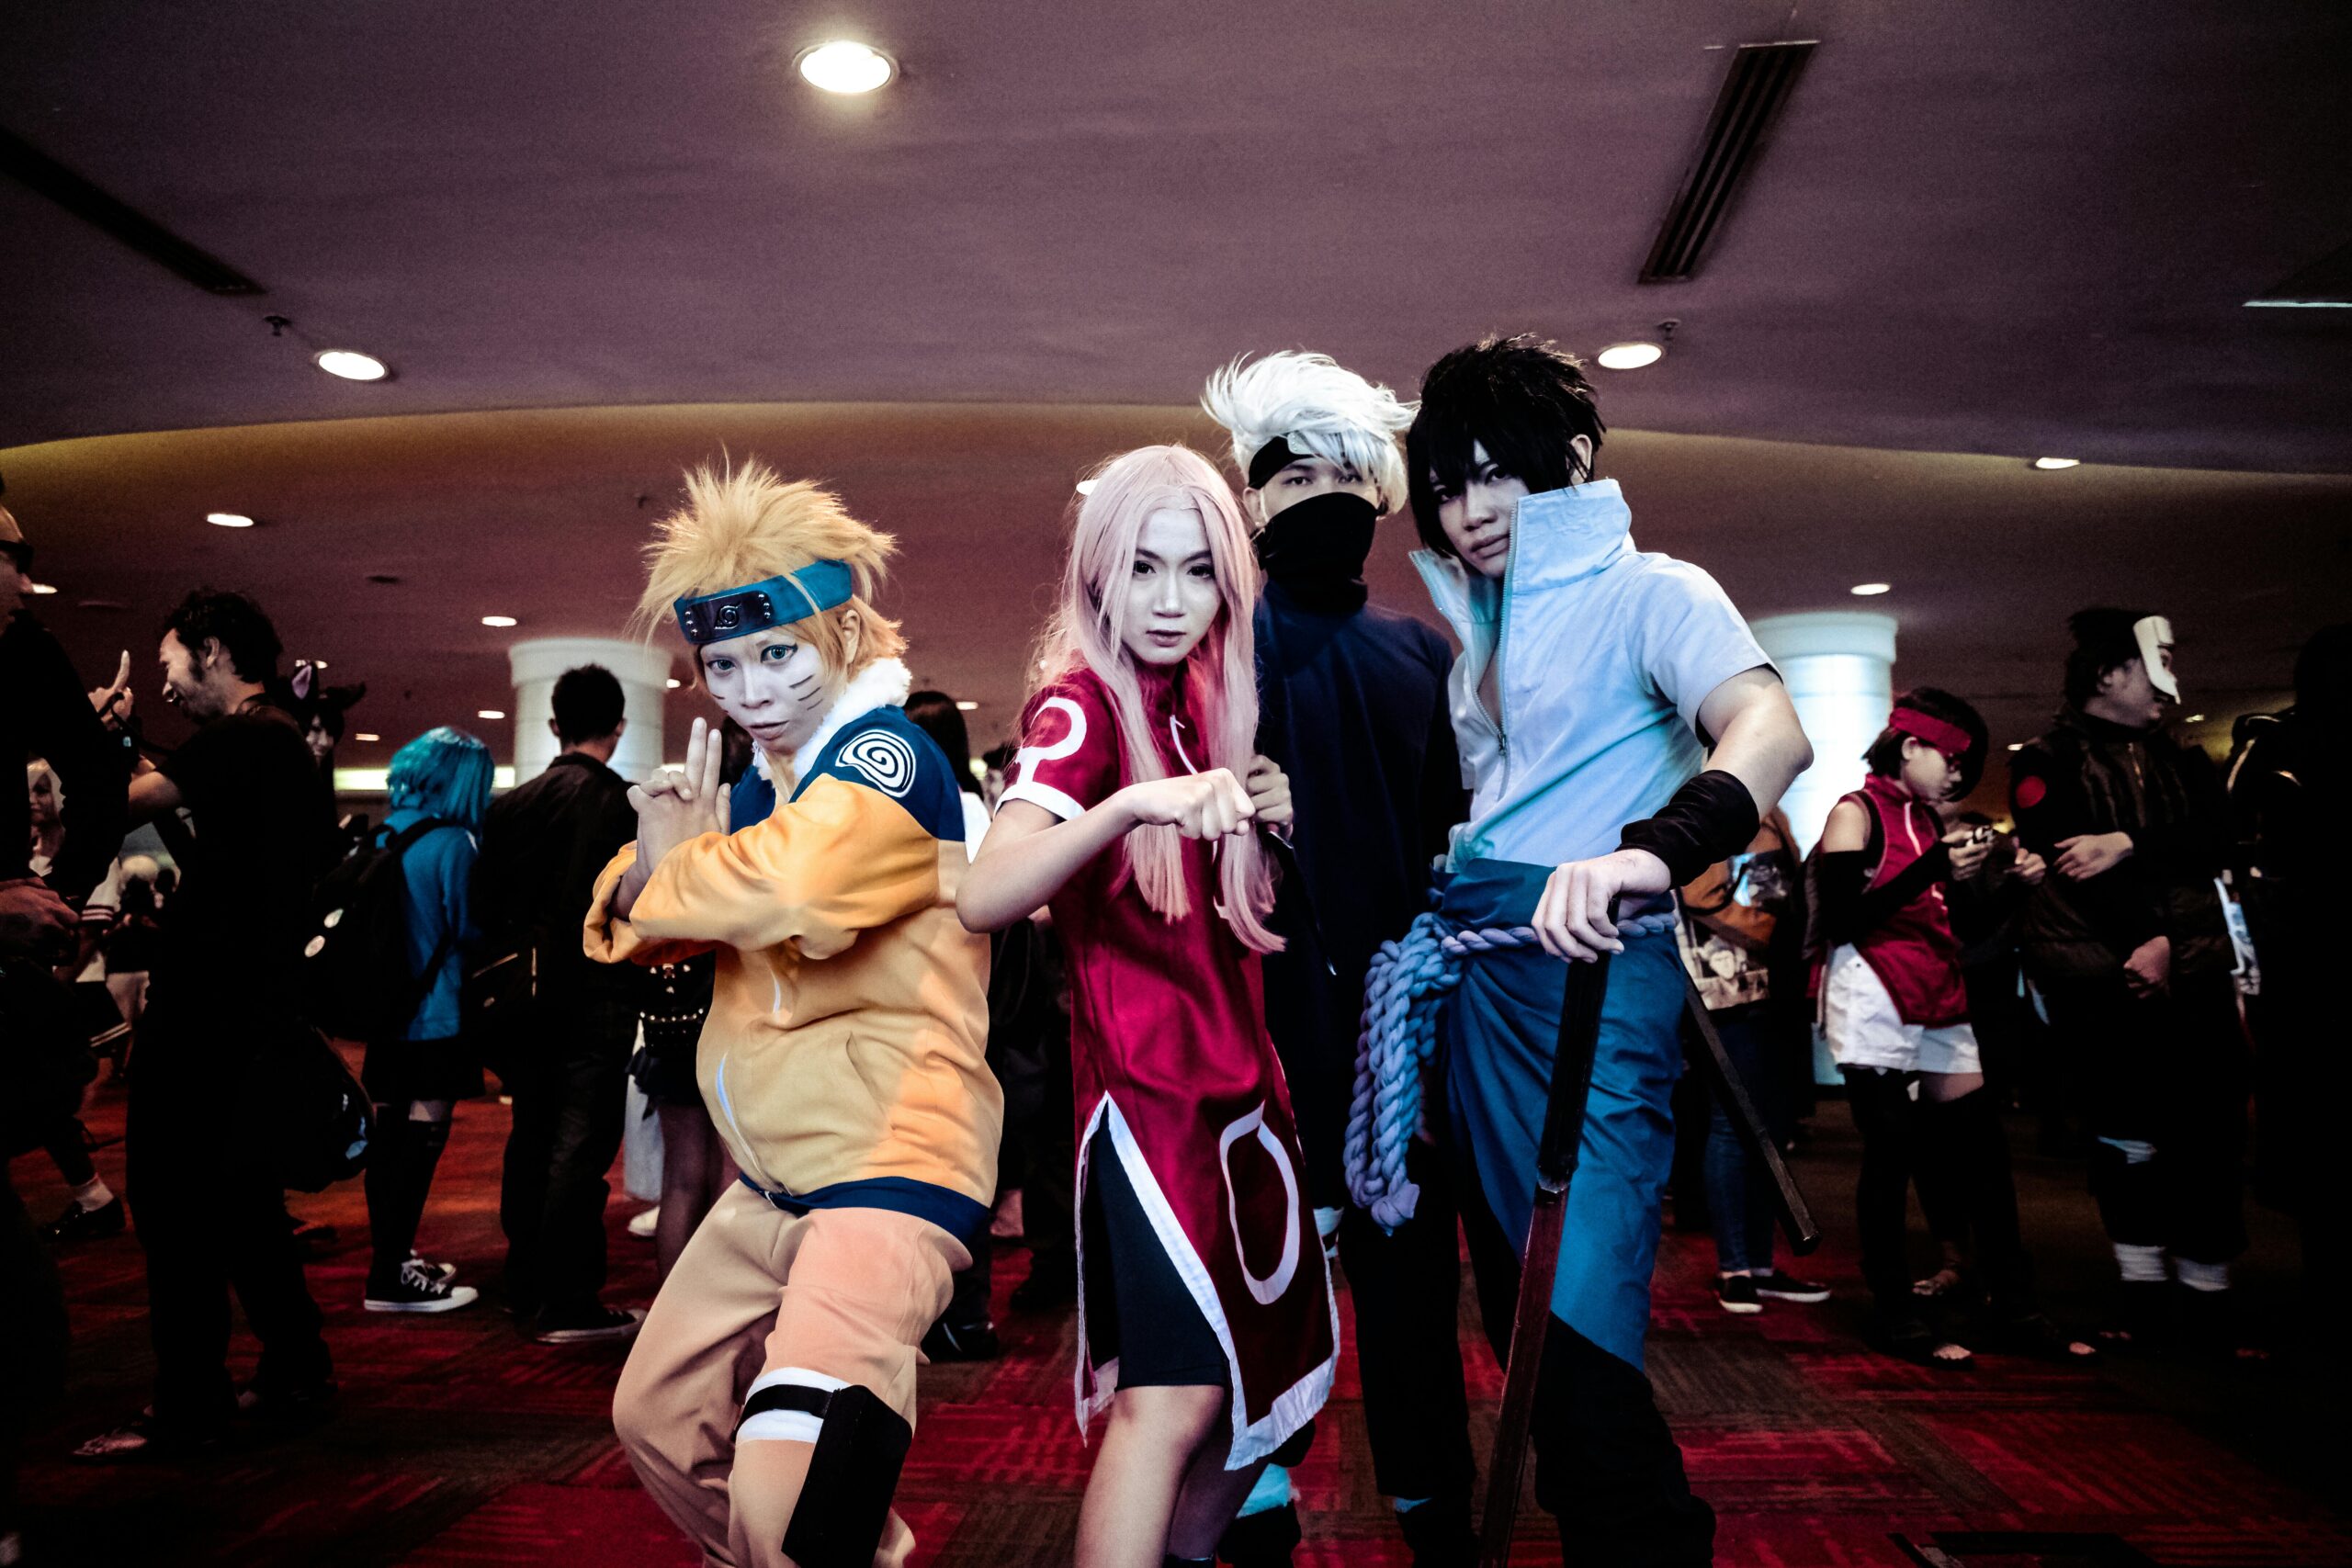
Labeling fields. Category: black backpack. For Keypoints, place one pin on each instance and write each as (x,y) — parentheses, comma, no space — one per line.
(357,984)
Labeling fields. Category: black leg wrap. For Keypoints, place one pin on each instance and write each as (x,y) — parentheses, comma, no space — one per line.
(845,1502)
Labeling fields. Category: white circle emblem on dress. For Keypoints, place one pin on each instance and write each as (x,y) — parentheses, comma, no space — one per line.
(884,758)
(1269,1288)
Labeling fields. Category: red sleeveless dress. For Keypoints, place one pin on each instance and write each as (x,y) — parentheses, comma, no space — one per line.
(1171,1062)
(1914,954)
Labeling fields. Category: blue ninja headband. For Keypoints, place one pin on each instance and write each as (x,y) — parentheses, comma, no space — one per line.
(779,601)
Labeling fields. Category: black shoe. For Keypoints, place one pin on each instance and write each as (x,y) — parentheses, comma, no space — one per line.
(2032,1334)
(1735,1294)
(599,1322)
(1262,1539)
(285,1405)
(1779,1287)
(77,1224)
(1052,1282)
(1440,1534)
(147,1440)
(962,1342)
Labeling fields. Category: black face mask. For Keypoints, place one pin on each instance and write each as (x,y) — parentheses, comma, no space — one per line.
(1323,539)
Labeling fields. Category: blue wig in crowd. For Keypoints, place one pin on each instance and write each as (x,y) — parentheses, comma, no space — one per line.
(443,773)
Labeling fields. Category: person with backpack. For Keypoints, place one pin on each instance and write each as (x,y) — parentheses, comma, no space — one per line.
(565,1058)
(416,1074)
(1895,1009)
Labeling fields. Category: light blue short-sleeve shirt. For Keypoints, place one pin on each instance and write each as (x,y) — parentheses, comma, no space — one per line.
(1607,653)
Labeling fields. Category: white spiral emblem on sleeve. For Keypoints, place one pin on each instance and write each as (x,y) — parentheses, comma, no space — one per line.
(883,758)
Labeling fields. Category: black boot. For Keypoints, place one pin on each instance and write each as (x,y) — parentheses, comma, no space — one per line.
(1262,1539)
(1440,1534)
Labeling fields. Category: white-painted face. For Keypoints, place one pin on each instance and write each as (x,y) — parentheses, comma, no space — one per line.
(1172,598)
(775,683)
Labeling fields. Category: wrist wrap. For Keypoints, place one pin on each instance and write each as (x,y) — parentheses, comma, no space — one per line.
(1711,819)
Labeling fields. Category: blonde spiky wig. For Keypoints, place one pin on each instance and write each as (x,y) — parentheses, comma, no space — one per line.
(743,524)
(1316,406)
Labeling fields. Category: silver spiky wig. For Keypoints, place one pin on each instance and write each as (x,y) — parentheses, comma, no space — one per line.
(1318,407)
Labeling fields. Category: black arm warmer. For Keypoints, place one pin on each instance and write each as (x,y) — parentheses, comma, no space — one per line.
(1712,818)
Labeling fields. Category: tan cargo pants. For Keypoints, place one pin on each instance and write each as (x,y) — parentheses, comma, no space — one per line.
(833,1296)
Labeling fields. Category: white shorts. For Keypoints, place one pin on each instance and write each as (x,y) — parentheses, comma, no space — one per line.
(1865,1030)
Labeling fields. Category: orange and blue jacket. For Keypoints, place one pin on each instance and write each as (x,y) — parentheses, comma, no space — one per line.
(843,1060)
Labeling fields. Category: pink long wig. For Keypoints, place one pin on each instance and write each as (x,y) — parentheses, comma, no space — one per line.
(1088,630)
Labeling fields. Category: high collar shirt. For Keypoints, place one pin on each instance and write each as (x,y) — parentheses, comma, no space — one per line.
(1604,654)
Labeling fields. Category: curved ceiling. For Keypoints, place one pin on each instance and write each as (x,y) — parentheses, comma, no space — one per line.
(541,515)
(2006,226)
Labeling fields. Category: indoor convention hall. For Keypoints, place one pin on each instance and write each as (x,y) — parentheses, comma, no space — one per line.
(1355,783)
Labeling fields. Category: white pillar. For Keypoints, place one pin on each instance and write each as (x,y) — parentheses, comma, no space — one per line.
(641,669)
(1840,666)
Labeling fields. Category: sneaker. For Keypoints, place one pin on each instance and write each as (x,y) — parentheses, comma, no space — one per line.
(439,1270)
(419,1289)
(962,1342)
(288,1405)
(77,1224)
(599,1322)
(1779,1287)
(643,1225)
(1735,1294)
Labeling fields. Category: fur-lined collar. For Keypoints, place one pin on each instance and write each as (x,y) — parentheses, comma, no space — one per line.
(883,683)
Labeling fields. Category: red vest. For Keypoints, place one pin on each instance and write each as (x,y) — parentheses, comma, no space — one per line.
(1914,954)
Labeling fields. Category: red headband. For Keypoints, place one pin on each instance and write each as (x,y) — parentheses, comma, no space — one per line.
(1949,739)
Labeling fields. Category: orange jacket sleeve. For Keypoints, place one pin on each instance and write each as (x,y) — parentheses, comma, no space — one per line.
(839,860)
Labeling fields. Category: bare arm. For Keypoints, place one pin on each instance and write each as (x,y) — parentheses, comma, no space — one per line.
(1757,738)
(1757,741)
(153,795)
(1029,853)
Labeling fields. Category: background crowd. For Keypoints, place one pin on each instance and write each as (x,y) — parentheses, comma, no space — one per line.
(194,923)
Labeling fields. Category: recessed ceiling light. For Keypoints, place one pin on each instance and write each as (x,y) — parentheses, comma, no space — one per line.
(1086,487)
(229,519)
(1871,589)
(2016,745)
(40,588)
(968,706)
(673,682)
(351,365)
(318,663)
(843,66)
(490,713)
(2194,718)
(2049,465)
(498,620)
(365,735)
(1630,356)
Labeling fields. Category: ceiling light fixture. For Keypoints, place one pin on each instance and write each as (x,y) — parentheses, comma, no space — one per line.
(1870,590)
(1086,487)
(351,365)
(846,66)
(498,620)
(2194,718)
(490,713)
(968,706)
(366,735)
(229,519)
(1630,356)
(2052,465)
(2016,745)
(40,588)
(672,683)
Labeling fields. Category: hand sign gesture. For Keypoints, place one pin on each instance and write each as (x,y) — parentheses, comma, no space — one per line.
(679,804)
(113,703)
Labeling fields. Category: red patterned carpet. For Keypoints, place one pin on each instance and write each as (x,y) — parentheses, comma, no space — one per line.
(458,1443)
